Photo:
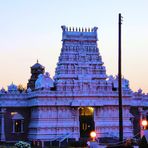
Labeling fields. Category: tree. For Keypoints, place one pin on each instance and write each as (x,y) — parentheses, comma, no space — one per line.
(21,88)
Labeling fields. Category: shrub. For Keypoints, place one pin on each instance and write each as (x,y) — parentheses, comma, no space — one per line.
(22,144)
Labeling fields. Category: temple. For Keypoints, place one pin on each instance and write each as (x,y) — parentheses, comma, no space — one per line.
(80,98)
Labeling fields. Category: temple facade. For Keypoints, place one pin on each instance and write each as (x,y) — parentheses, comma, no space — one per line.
(79,99)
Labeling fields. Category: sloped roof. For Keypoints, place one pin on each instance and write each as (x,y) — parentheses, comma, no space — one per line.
(17,117)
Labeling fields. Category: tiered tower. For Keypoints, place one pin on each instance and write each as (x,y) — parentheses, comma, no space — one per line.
(80,66)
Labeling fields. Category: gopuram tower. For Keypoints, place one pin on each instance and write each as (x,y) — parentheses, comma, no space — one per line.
(80,67)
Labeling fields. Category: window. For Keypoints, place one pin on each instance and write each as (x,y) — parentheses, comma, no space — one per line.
(18,123)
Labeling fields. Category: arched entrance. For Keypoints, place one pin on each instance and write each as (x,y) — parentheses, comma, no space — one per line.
(86,118)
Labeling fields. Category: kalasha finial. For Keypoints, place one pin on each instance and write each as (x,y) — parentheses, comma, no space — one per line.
(64,28)
(37,61)
(95,29)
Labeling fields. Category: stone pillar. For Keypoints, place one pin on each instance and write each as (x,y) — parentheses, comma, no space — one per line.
(42,142)
(13,128)
(2,138)
(22,126)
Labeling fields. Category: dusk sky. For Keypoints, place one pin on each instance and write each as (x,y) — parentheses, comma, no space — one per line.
(31,30)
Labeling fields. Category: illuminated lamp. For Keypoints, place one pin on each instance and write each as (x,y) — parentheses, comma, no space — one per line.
(93,134)
(144,122)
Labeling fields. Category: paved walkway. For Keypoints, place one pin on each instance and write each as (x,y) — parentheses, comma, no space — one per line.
(103,146)
(95,145)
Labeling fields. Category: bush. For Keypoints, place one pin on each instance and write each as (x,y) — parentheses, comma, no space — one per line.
(22,144)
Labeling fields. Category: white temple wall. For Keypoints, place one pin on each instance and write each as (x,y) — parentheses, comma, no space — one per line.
(49,122)
(107,121)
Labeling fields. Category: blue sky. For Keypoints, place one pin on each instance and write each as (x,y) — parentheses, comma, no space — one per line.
(31,30)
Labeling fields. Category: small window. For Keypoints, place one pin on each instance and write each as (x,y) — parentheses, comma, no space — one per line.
(18,123)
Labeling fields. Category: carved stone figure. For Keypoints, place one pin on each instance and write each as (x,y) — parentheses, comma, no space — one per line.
(44,81)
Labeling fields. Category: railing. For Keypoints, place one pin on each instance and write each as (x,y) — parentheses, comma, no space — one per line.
(54,139)
(65,137)
(106,134)
(60,138)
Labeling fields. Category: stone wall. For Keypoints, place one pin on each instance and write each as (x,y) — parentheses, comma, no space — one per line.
(50,122)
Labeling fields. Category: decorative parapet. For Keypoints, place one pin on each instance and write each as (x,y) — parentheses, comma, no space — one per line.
(78,98)
(114,82)
(72,29)
(16,95)
(79,34)
(139,99)
(14,99)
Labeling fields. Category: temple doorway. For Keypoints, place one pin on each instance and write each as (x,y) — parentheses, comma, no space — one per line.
(86,118)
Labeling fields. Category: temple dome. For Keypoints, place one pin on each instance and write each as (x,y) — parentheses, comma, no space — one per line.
(36,70)
(37,66)
(12,87)
(3,90)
